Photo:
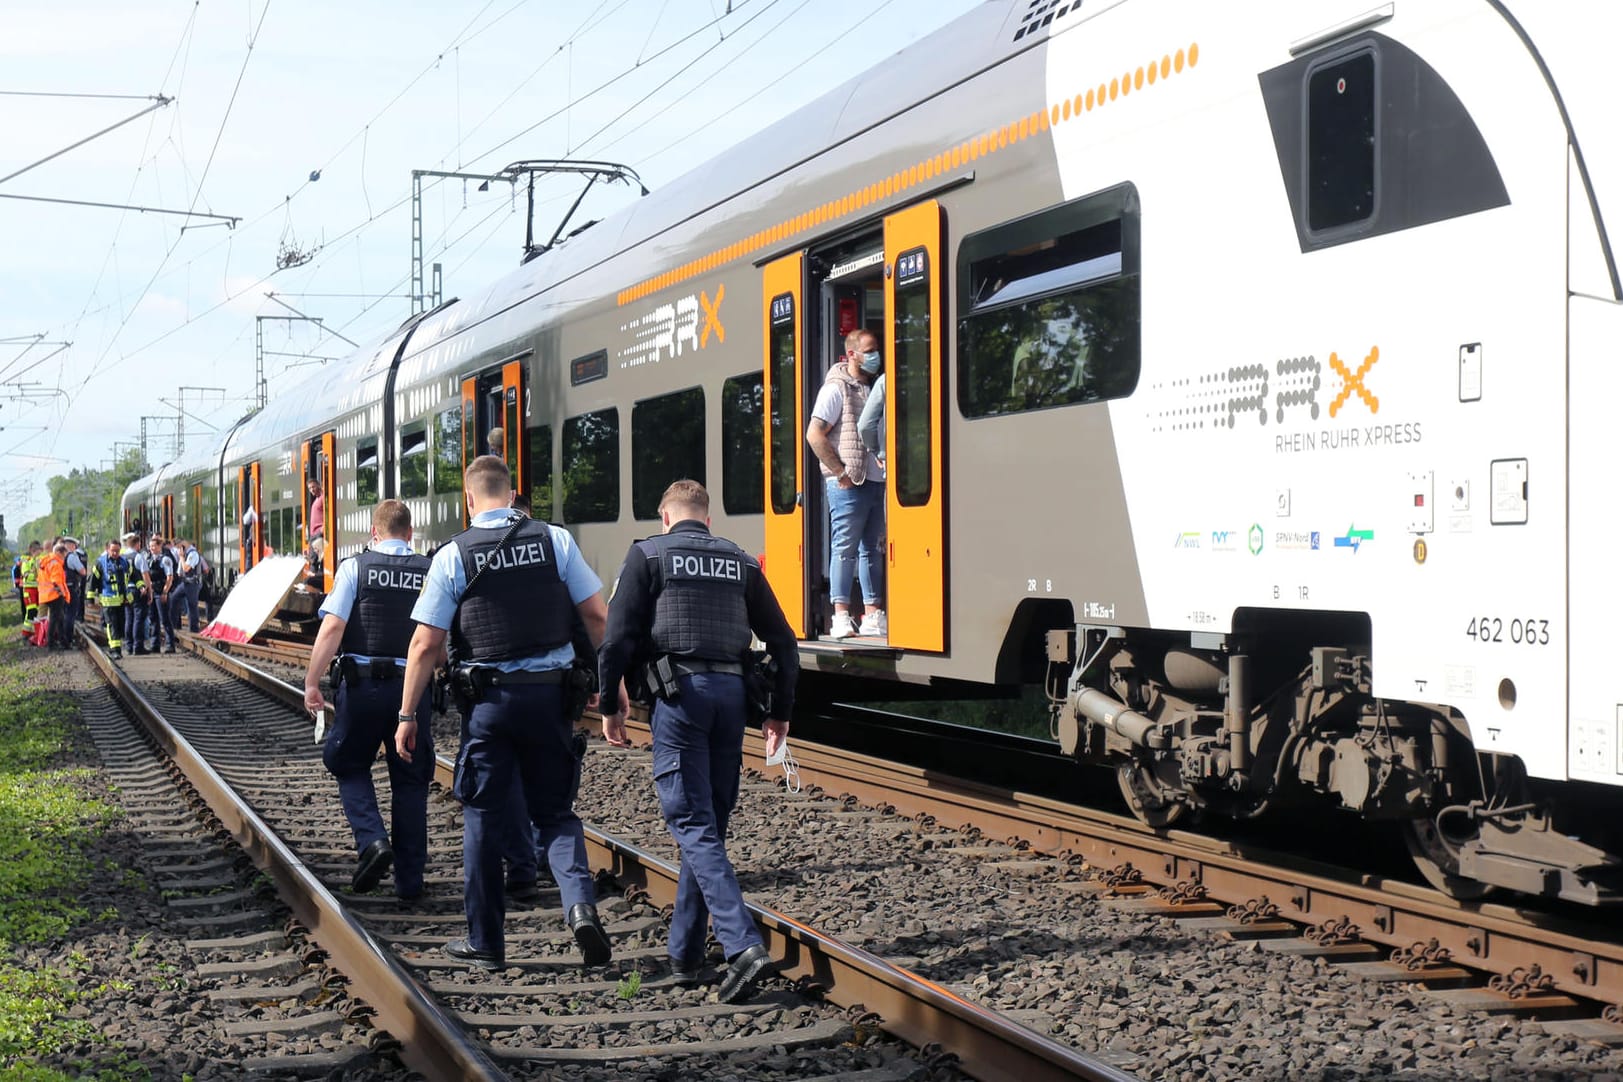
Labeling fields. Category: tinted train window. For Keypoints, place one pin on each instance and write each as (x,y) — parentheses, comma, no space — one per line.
(667,444)
(448,452)
(366,472)
(743,453)
(414,461)
(591,478)
(907,387)
(1050,307)
(541,473)
(1341,143)
(786,434)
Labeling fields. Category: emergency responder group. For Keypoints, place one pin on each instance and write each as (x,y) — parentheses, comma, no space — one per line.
(500,608)
(143,593)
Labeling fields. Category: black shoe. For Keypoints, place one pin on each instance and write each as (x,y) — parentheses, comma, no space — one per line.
(374,861)
(169,649)
(686,975)
(138,651)
(463,951)
(745,972)
(589,934)
(525,892)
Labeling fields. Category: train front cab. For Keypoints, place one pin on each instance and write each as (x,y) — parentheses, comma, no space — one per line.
(810,300)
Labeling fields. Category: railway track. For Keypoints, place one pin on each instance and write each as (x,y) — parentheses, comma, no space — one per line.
(1519,959)
(453,1022)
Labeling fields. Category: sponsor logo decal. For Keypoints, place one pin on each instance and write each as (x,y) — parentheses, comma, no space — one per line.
(1225,540)
(1189,539)
(1353,538)
(672,330)
(1254,539)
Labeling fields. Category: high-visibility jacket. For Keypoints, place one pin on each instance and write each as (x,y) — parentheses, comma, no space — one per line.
(53,579)
(30,571)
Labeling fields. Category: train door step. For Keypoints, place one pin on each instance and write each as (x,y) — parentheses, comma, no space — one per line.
(868,647)
(1306,948)
(1391,973)
(1491,1002)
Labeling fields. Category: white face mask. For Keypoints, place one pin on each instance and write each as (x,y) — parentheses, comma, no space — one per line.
(872,363)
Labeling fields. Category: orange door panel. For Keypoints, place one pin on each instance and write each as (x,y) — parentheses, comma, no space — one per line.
(513,424)
(915,490)
(783,427)
(470,438)
(329,513)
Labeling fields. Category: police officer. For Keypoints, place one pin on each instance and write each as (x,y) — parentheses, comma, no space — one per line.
(506,590)
(110,581)
(131,551)
(157,570)
(686,604)
(367,625)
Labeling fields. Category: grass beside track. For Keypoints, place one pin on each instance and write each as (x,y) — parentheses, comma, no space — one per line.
(47,826)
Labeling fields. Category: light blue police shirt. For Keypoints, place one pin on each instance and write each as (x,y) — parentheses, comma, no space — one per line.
(446,582)
(345,583)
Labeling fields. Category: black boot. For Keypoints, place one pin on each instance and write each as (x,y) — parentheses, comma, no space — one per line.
(589,934)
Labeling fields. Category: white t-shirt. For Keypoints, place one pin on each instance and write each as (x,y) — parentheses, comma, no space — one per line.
(830,409)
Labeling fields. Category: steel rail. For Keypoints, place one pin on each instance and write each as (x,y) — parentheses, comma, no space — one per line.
(988,1046)
(432,1041)
(1486,936)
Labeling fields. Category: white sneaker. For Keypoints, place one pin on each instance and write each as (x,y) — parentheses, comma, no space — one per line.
(874,623)
(843,627)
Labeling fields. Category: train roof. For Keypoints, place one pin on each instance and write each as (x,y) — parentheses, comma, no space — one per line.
(970,44)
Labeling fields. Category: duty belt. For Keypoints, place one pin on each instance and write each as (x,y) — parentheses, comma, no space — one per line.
(378,668)
(473,681)
(695,666)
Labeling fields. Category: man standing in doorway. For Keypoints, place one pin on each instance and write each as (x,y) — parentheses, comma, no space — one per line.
(854,485)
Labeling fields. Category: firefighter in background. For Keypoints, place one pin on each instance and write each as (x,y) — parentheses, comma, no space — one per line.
(110,583)
(31,586)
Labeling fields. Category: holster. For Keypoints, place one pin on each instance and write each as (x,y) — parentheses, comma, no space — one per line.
(659,676)
(439,690)
(579,688)
(760,677)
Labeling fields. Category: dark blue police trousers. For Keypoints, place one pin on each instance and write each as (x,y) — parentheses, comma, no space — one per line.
(518,728)
(367,715)
(698,750)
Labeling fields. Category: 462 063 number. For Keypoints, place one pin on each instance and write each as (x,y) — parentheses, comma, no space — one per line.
(1529,632)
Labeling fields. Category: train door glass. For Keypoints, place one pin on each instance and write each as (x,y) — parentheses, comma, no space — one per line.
(168,518)
(194,523)
(915,570)
(785,557)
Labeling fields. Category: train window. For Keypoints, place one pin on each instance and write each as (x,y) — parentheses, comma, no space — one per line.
(414,461)
(785,416)
(1050,308)
(448,452)
(1341,142)
(667,444)
(366,472)
(541,473)
(743,455)
(908,385)
(591,478)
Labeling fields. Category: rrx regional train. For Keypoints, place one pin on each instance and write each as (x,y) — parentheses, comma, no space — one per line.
(1250,376)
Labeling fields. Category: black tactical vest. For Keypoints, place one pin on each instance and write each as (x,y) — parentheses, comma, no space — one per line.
(519,606)
(386,588)
(698,585)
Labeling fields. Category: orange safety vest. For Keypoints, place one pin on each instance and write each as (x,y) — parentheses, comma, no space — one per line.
(53,579)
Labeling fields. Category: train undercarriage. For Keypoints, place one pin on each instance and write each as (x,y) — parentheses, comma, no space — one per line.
(1279,712)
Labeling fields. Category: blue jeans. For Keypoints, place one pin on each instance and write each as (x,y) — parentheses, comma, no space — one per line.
(856,535)
(698,749)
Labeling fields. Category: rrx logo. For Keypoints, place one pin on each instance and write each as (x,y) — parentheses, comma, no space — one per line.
(1294,385)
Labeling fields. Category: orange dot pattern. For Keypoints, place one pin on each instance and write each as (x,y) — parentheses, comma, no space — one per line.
(1119,88)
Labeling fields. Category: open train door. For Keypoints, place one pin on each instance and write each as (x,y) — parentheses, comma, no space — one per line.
(250,518)
(782,282)
(316,464)
(493,415)
(169,518)
(915,501)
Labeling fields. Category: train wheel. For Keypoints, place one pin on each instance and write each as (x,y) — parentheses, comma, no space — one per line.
(1438,860)
(1152,802)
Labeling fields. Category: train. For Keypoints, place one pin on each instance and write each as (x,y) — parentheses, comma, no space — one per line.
(1249,395)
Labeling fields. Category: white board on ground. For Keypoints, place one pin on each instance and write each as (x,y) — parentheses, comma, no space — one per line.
(255,598)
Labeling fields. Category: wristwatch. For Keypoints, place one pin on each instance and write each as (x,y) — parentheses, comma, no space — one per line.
(403,716)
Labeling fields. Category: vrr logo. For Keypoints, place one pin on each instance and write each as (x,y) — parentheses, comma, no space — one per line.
(1353,382)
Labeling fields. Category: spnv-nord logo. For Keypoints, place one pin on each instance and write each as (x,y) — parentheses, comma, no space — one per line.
(1254,538)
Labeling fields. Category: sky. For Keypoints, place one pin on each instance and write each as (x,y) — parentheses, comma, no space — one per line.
(303,121)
